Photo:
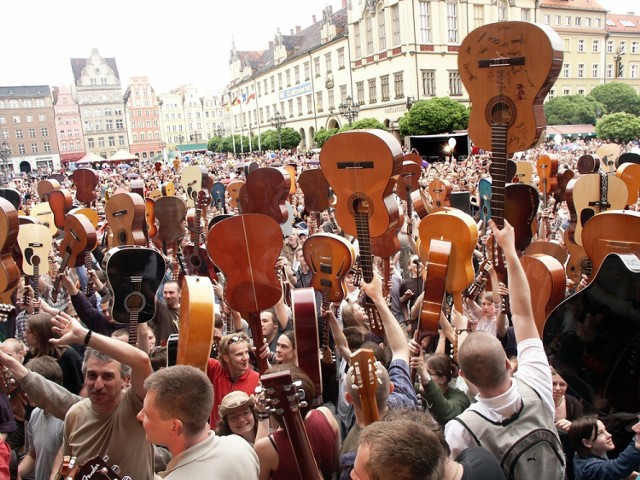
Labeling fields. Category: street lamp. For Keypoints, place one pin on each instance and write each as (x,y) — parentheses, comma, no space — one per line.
(250,133)
(349,110)
(5,153)
(278,121)
(617,58)
(220,130)
(195,137)
(181,139)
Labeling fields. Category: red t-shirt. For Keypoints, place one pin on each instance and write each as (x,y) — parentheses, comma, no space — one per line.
(224,384)
(5,456)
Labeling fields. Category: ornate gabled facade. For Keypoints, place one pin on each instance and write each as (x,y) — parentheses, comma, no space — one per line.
(28,126)
(143,119)
(68,125)
(98,92)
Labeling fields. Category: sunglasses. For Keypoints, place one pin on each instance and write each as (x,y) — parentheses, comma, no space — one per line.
(237,338)
(416,262)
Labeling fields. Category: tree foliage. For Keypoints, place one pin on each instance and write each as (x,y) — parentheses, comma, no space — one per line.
(430,117)
(269,139)
(618,127)
(617,97)
(572,110)
(364,123)
(323,135)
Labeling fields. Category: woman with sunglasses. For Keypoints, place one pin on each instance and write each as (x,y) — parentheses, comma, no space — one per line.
(591,442)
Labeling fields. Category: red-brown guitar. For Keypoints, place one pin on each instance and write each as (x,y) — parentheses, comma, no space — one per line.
(305,328)
(86,181)
(266,191)
(125,213)
(9,225)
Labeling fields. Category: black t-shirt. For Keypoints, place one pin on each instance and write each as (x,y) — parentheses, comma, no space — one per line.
(479,464)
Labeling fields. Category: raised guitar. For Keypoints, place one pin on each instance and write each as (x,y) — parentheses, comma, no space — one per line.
(86,181)
(266,191)
(305,328)
(194,178)
(60,202)
(547,167)
(125,213)
(196,256)
(35,243)
(365,379)
(9,225)
(197,312)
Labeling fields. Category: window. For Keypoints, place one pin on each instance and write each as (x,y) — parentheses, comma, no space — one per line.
(565,70)
(21,149)
(634,47)
(319,101)
(119,124)
(26,103)
(455,84)
(307,74)
(357,41)
(609,70)
(581,70)
(288,76)
(19,134)
(382,32)
(273,84)
(296,74)
(279,81)
(525,14)
(44,131)
(581,45)
(316,66)
(568,21)
(425,21)
(91,143)
(340,58)
(309,104)
(384,88)
(360,92)
(343,93)
(121,141)
(32,132)
(502,11)
(556,20)
(452,21)
(16,119)
(429,83)
(595,70)
(368,25)
(609,46)
(595,46)
(47,147)
(587,22)
(331,99)
(101,142)
(373,94)
(566,92)
(633,70)
(547,19)
(581,91)
(395,25)
(3,120)
(112,140)
(327,60)
(577,22)
(623,46)
(478,16)
(398,84)
(290,108)
(34,148)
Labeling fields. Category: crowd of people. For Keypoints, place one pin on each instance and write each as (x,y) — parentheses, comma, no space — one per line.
(478,399)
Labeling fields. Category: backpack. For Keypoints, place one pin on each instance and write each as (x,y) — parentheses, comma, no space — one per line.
(527,444)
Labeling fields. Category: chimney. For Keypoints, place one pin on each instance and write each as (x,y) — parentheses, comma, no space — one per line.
(344,3)
(314,18)
(298,29)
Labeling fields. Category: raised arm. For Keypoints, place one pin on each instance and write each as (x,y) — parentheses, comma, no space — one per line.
(72,331)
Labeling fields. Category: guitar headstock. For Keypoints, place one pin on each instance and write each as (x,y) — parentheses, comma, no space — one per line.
(68,468)
(203,199)
(5,311)
(366,380)
(97,469)
(281,394)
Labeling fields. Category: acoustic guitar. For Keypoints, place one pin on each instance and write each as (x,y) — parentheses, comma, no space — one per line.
(547,168)
(282,397)
(125,213)
(362,167)
(35,243)
(305,329)
(547,284)
(266,191)
(407,183)
(610,154)
(197,259)
(96,469)
(13,196)
(630,175)
(133,275)
(197,316)
(592,338)
(42,213)
(86,181)
(45,187)
(246,248)
(524,172)
(218,198)
(365,378)
(193,179)
(9,225)
(440,192)
(60,202)
(233,189)
(437,269)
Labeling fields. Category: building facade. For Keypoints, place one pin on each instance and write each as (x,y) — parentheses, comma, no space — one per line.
(28,126)
(69,125)
(98,91)
(143,119)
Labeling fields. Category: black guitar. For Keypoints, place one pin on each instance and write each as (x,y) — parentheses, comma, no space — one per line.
(593,337)
(134,275)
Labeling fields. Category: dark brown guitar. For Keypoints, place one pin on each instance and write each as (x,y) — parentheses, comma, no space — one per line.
(86,181)
(9,225)
(125,213)
(266,191)
(305,328)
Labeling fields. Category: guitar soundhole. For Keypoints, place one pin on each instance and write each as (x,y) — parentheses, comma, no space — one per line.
(360,204)
(195,261)
(501,110)
(134,302)
(122,237)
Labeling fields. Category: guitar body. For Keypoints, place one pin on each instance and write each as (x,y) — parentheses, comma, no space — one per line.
(592,337)
(233,189)
(79,236)
(150,216)
(134,274)
(266,191)
(86,181)
(365,378)
(630,175)
(520,209)
(609,153)
(524,172)
(420,204)
(9,225)
(547,284)
(584,195)
(305,328)
(484,192)
(461,231)
(167,189)
(361,166)
(42,213)
(588,163)
(218,198)
(125,213)
(547,247)
(90,213)
(196,256)
(170,212)
(437,269)
(35,243)
(316,190)
(197,312)
(578,263)
(564,176)
(508,68)
(45,187)
(193,179)
(440,191)
(96,469)
(13,196)
(547,168)
(60,202)
(613,231)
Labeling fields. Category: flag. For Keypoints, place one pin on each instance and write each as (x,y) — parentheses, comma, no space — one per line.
(243,97)
(236,101)
(251,97)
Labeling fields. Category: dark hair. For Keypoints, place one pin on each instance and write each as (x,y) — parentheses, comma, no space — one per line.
(441,364)
(41,328)
(158,357)
(355,337)
(422,418)
(46,366)
(583,428)
(223,428)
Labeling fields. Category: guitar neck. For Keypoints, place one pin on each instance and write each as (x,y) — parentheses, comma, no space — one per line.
(258,340)
(56,283)
(301,447)
(498,188)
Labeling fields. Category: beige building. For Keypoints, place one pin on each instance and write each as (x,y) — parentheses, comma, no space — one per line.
(173,119)
(98,91)
(28,126)
(383,55)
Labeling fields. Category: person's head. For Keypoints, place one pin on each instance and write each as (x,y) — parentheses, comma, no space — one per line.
(559,385)
(105,307)
(439,368)
(488,307)
(589,437)
(46,366)
(402,450)
(15,348)
(158,357)
(269,323)
(238,415)
(303,235)
(292,240)
(121,334)
(234,353)
(353,315)
(354,336)
(300,257)
(423,418)
(104,379)
(177,404)
(286,348)
(415,266)
(39,331)
(484,363)
(171,293)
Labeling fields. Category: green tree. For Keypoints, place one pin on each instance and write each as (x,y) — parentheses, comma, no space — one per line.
(269,140)
(618,127)
(364,123)
(617,97)
(215,144)
(572,110)
(323,135)
(290,138)
(429,117)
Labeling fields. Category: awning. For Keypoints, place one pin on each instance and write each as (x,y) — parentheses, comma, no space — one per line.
(584,130)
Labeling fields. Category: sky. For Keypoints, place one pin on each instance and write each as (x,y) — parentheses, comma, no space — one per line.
(173,43)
